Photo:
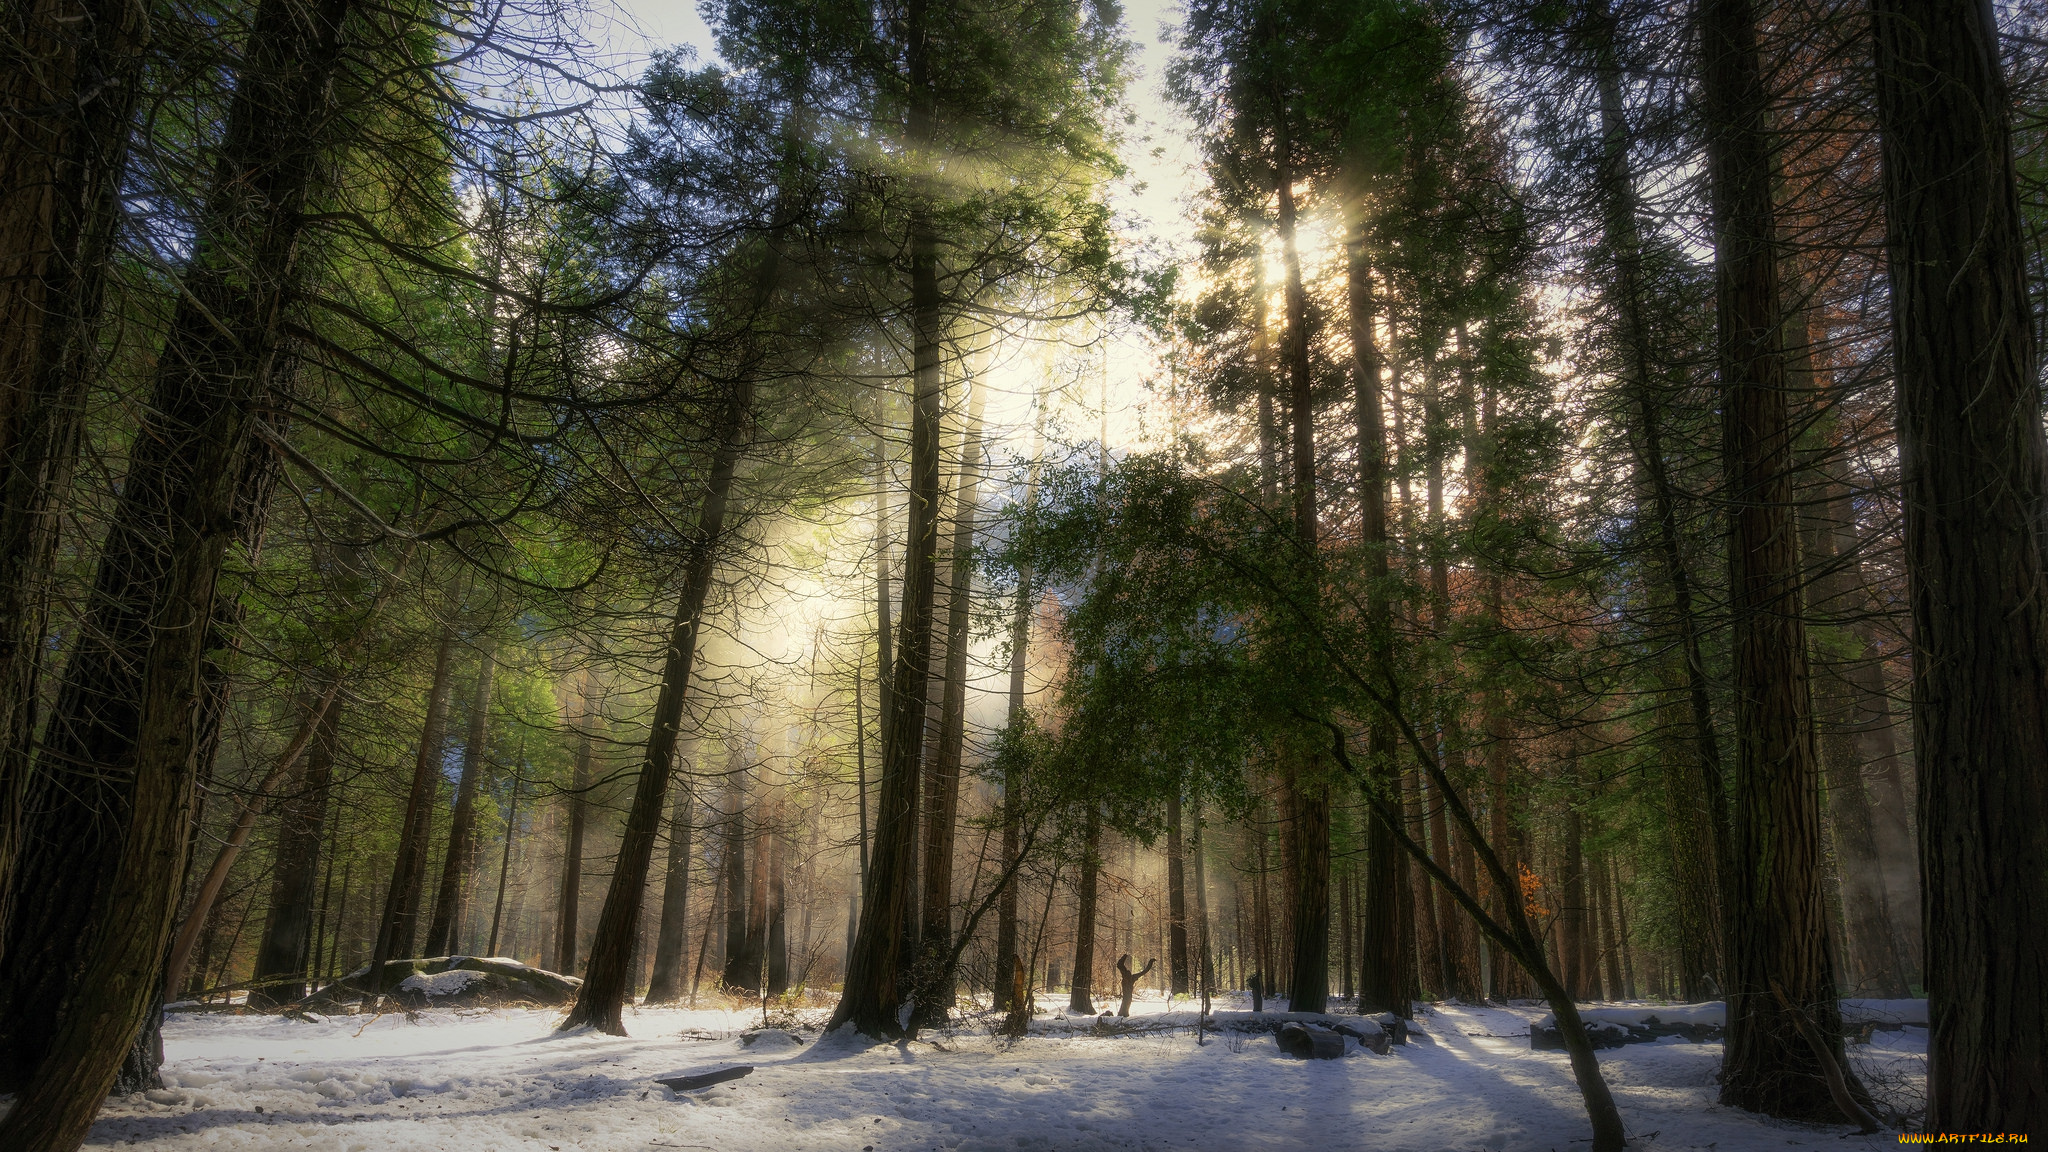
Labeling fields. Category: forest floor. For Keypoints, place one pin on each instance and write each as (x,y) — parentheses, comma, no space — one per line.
(489,1080)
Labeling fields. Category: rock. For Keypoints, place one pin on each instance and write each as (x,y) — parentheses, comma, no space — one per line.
(1310,1042)
(1612,1028)
(704,1079)
(770,1040)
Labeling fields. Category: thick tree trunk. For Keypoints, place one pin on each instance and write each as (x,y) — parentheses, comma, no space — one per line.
(398,926)
(69,80)
(444,930)
(288,928)
(569,898)
(134,710)
(1777,920)
(607,978)
(1970,446)
(1082,1000)
(672,939)
(935,938)
(878,979)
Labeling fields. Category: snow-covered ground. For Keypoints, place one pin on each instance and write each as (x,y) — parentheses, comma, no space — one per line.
(483,1081)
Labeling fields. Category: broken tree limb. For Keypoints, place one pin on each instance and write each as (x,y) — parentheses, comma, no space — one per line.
(1830,1070)
(1130,979)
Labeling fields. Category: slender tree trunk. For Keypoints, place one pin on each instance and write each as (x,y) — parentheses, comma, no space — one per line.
(606,981)
(1573,965)
(1383,974)
(69,81)
(1082,999)
(878,981)
(134,710)
(1696,795)
(672,940)
(397,927)
(505,862)
(568,903)
(1177,900)
(774,936)
(1970,445)
(740,961)
(289,927)
(935,940)
(1013,783)
(1777,920)
(443,931)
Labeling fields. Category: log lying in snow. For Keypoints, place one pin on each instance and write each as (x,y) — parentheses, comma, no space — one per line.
(1374,1038)
(1614,1027)
(453,982)
(704,1079)
(1310,1042)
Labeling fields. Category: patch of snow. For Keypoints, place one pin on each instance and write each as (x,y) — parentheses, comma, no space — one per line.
(451,983)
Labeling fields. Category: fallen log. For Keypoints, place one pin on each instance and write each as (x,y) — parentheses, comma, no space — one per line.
(704,1079)
(1310,1043)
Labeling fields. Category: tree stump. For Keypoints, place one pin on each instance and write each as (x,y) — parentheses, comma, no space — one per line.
(1130,979)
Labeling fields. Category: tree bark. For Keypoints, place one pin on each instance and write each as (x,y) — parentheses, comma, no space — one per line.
(1970,446)
(288,928)
(457,863)
(1777,918)
(1177,900)
(134,712)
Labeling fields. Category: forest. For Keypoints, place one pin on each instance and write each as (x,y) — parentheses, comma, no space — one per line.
(1023,573)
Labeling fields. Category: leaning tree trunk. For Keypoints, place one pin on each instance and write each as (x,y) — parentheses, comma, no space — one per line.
(460,857)
(1970,445)
(398,925)
(279,976)
(607,980)
(1778,940)
(130,713)
(935,936)
(878,977)
(69,80)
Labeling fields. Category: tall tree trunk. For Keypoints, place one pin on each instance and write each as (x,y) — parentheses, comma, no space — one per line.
(1778,941)
(672,940)
(1308,795)
(1696,795)
(69,80)
(753,972)
(1574,968)
(505,866)
(775,892)
(1013,800)
(288,928)
(1082,1000)
(569,899)
(457,863)
(1177,900)
(878,980)
(935,938)
(740,962)
(1383,979)
(134,711)
(606,980)
(1970,444)
(399,924)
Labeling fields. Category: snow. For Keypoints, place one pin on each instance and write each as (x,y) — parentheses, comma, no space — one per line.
(504,1079)
(450,983)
